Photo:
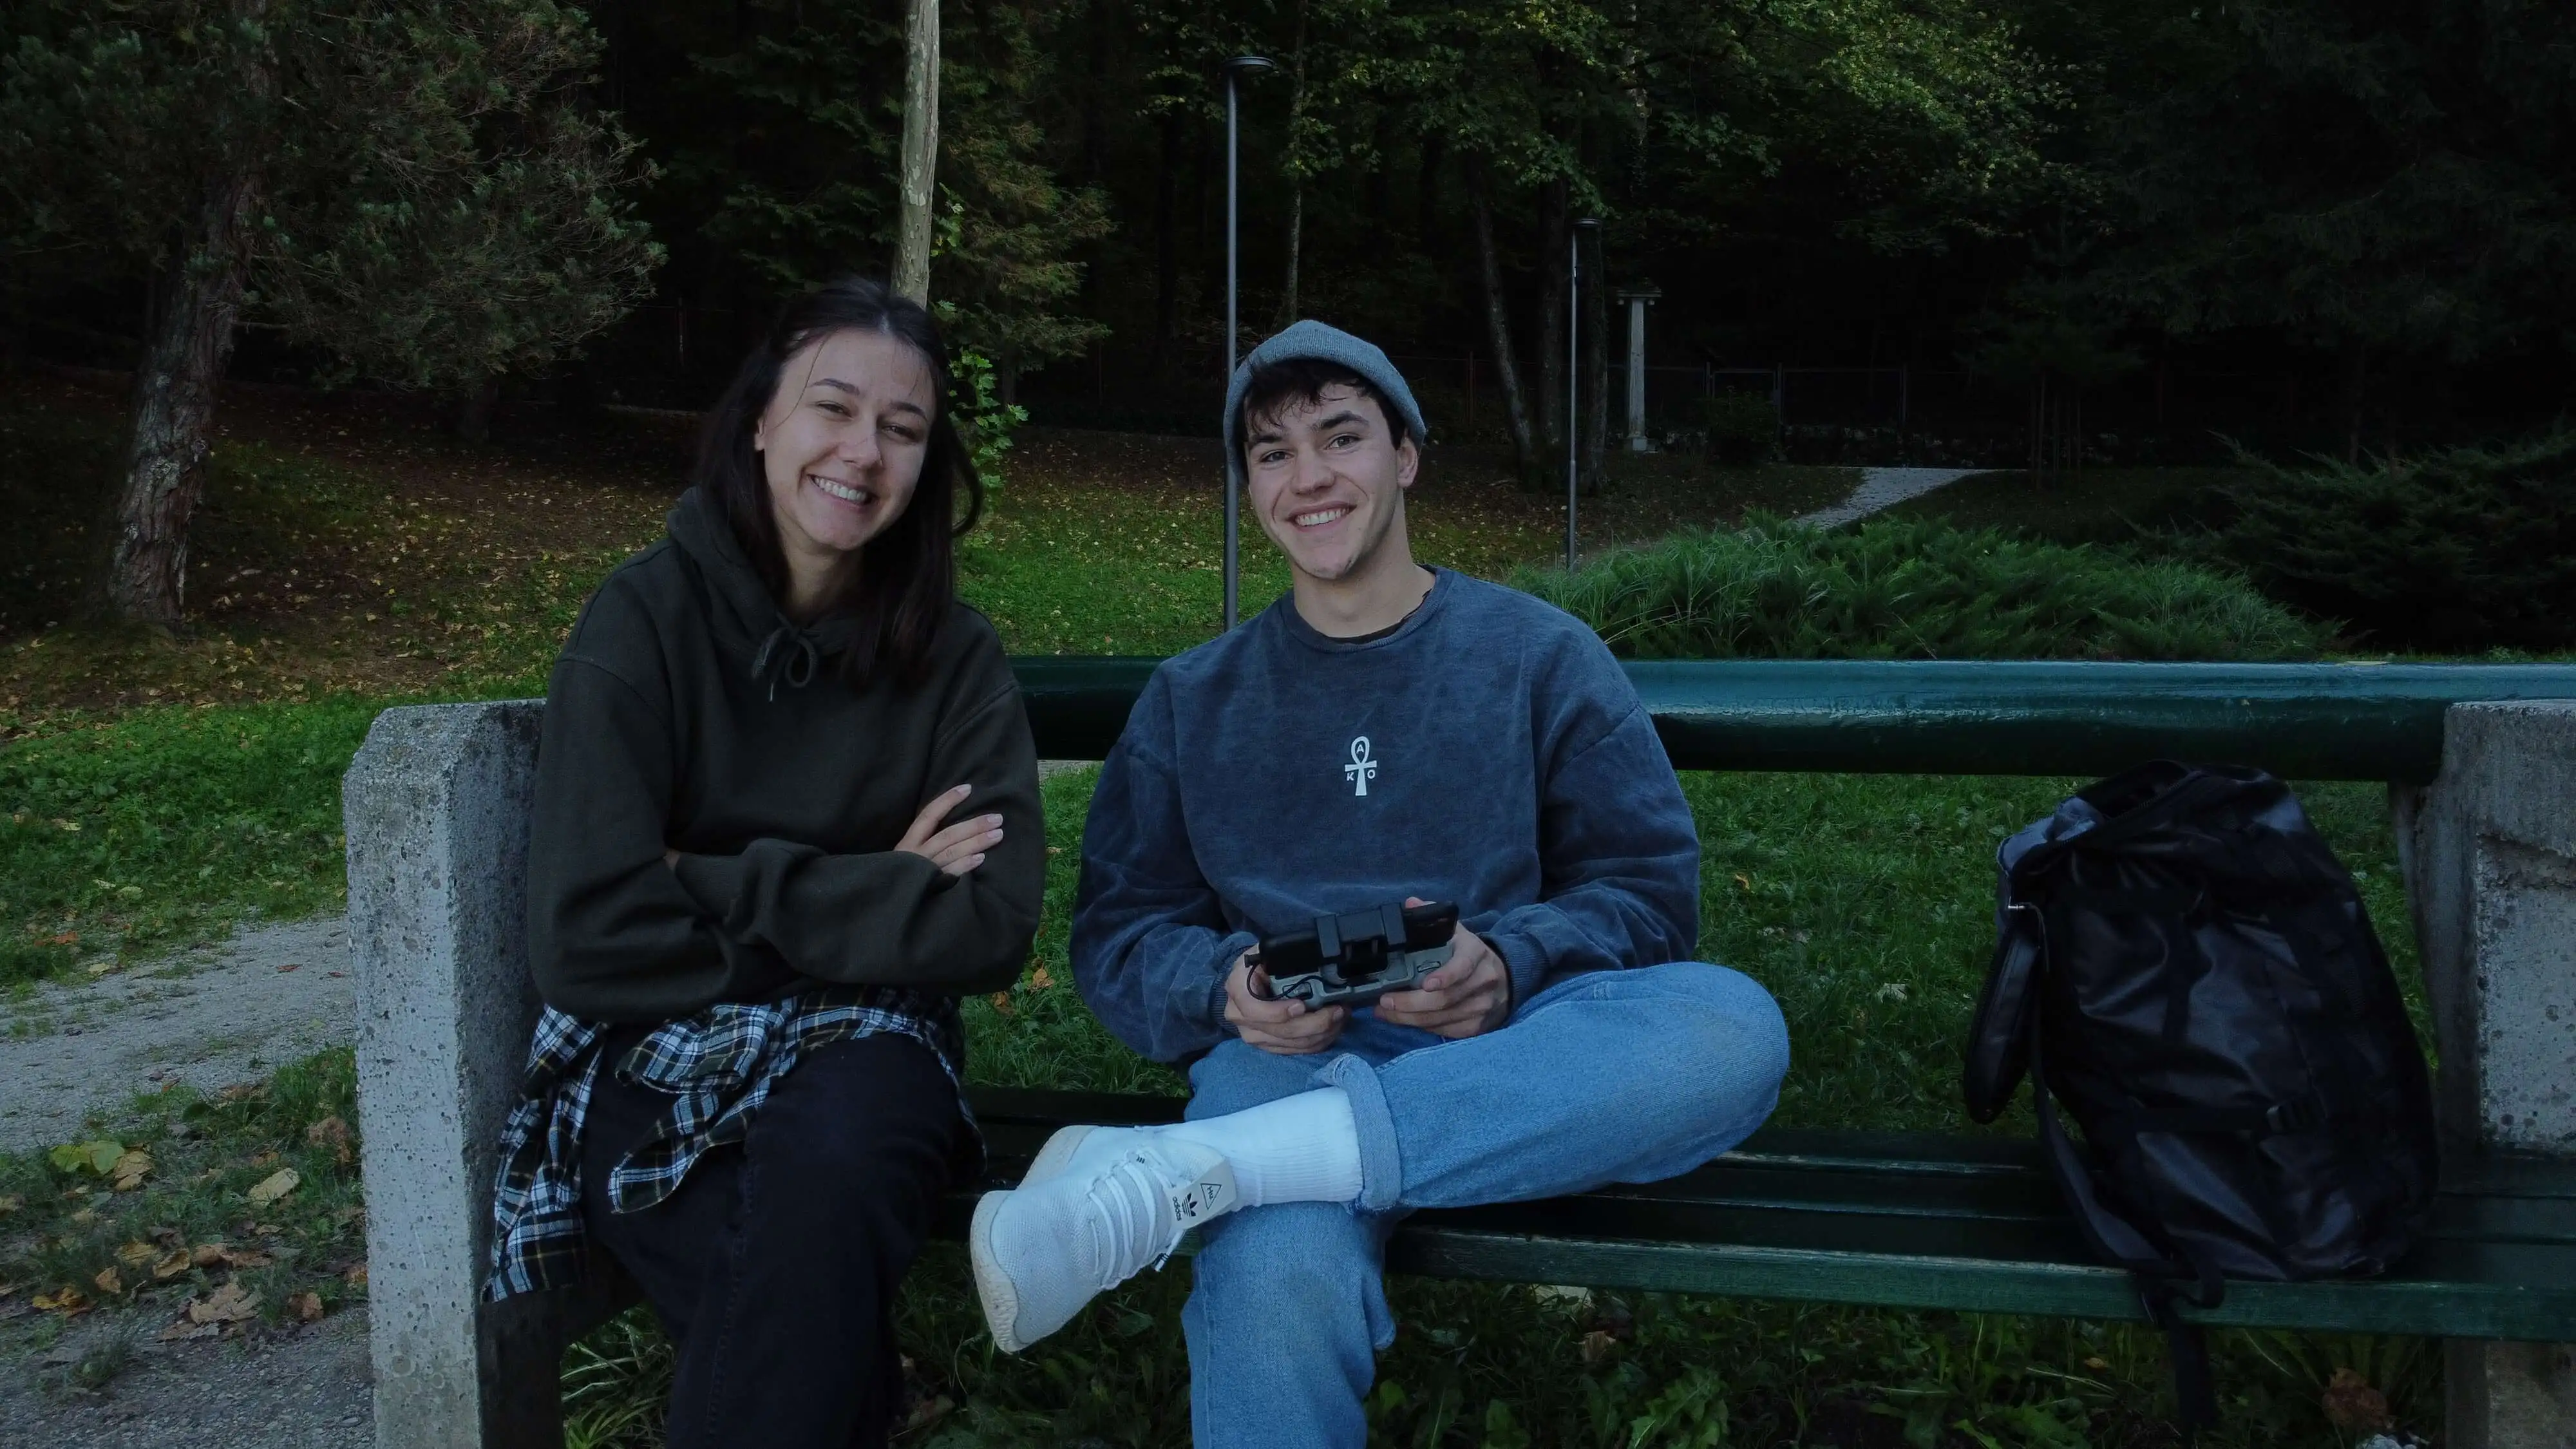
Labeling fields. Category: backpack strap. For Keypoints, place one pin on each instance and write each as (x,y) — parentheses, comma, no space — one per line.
(2159,1270)
(1999,1035)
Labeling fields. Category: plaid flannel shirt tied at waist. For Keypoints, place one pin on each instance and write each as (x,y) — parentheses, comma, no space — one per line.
(718,1066)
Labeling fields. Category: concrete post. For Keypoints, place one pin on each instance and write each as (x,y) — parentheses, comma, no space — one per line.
(436,805)
(1638,300)
(2490,853)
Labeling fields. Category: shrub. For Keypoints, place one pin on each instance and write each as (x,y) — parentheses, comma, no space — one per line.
(2467,549)
(1913,589)
(1743,427)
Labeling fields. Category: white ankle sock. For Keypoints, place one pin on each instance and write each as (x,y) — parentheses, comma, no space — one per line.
(1297,1149)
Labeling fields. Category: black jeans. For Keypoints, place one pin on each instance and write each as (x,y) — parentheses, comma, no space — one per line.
(774,1267)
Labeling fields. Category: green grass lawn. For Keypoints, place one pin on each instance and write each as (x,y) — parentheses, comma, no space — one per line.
(2100,505)
(156,793)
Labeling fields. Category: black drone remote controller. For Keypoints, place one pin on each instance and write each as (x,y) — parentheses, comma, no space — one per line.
(1352,960)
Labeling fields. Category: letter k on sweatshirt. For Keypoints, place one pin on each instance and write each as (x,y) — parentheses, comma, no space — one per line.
(1488,751)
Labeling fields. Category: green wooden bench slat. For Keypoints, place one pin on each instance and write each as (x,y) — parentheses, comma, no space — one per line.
(2479,1291)
(1967,717)
(1919,1220)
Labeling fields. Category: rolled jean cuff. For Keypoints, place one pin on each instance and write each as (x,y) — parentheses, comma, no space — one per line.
(1381,1164)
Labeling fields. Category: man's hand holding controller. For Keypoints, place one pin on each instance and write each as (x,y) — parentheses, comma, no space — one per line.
(1468,996)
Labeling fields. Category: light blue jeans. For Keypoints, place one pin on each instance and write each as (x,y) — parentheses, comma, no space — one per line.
(1609,1076)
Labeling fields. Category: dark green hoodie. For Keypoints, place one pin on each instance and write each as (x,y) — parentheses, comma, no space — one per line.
(688,713)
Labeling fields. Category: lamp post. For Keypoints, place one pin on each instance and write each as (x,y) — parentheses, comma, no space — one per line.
(1235,69)
(1590,225)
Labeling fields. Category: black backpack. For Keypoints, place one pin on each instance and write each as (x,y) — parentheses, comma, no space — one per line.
(2183,963)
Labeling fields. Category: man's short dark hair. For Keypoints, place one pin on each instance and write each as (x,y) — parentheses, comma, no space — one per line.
(1274,386)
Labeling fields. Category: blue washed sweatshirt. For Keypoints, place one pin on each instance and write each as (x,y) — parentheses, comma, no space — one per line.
(1488,751)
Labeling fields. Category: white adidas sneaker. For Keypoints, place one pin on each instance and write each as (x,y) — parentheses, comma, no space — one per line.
(1047,1248)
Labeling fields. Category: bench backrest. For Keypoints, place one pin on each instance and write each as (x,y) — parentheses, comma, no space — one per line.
(1969,717)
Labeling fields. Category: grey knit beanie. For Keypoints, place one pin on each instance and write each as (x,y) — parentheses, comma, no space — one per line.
(1312,339)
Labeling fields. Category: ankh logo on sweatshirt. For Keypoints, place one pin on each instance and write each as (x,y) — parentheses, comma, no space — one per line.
(1361,769)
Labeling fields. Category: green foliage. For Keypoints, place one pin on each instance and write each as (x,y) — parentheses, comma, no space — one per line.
(2472,548)
(615,1382)
(1908,589)
(983,419)
(167,826)
(182,1222)
(435,202)
(2357,177)
(800,183)
(1742,427)
(2136,509)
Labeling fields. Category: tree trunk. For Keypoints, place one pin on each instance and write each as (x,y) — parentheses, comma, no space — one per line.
(2354,366)
(1296,171)
(1596,364)
(920,150)
(1426,222)
(1377,191)
(1167,251)
(1296,232)
(1498,320)
(475,408)
(1556,224)
(188,340)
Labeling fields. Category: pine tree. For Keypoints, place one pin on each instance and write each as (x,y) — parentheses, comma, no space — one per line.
(2372,180)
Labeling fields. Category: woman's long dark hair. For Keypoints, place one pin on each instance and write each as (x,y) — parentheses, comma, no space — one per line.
(907,576)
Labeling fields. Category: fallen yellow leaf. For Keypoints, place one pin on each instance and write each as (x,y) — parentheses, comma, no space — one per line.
(274,1186)
(307,1307)
(208,1255)
(11,1204)
(170,1266)
(135,1254)
(356,1277)
(66,1300)
(130,1168)
(333,1133)
(109,1281)
(1039,980)
(228,1304)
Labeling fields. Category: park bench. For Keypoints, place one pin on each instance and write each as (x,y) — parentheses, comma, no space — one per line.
(2481,761)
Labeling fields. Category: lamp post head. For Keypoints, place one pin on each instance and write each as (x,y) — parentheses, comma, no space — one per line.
(1587,223)
(1243,65)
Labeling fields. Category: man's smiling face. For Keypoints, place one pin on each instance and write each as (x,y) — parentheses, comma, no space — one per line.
(1327,479)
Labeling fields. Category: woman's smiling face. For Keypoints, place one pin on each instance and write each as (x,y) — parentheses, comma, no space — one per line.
(841,446)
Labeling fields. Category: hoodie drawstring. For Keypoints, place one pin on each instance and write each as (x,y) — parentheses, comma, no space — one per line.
(796,661)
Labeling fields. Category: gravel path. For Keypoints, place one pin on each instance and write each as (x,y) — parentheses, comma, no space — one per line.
(1885,488)
(299,1390)
(212,1017)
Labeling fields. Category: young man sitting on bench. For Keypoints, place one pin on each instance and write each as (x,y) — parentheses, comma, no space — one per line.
(1386,735)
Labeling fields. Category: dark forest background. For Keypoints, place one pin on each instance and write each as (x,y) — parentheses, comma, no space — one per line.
(1923,230)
